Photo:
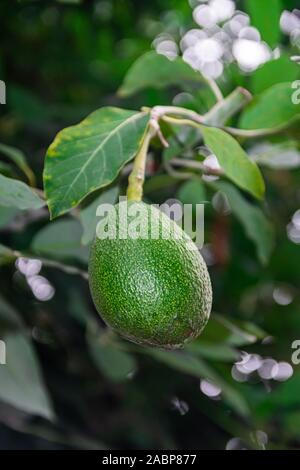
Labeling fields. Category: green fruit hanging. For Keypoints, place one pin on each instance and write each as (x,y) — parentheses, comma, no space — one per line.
(154,292)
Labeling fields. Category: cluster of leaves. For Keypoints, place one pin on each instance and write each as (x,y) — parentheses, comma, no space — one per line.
(60,356)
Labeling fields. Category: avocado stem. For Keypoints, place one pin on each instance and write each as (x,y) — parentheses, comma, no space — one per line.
(137,176)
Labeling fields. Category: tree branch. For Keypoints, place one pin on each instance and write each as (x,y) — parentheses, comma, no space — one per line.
(228,107)
(217,116)
(193,164)
(14,254)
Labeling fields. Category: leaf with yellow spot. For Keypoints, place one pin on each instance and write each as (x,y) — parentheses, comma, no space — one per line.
(90,155)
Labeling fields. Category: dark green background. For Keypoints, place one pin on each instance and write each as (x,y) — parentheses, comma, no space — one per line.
(61,62)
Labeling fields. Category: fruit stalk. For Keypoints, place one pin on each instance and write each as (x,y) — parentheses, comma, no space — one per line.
(137,176)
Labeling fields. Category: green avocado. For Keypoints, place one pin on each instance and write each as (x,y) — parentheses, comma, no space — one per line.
(147,277)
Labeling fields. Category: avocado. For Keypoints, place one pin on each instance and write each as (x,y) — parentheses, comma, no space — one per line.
(151,288)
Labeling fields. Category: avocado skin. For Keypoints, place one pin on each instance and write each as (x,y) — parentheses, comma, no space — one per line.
(155,292)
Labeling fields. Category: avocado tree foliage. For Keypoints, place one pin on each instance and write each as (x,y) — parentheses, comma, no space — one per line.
(227,150)
(90,155)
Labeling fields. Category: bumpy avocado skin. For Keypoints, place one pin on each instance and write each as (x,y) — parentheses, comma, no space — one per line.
(155,292)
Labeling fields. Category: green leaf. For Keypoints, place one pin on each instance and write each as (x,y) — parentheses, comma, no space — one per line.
(192,192)
(7,214)
(114,363)
(90,155)
(234,161)
(184,362)
(284,155)
(8,315)
(196,367)
(220,330)
(21,381)
(14,193)
(213,351)
(257,227)
(19,159)
(61,240)
(273,72)
(157,71)
(265,16)
(251,328)
(88,216)
(274,108)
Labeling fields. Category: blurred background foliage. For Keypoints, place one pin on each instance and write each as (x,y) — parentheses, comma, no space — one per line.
(71,383)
